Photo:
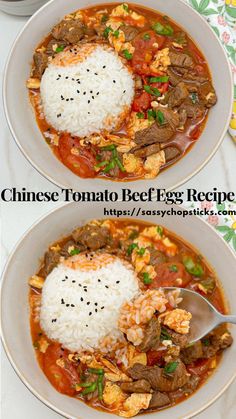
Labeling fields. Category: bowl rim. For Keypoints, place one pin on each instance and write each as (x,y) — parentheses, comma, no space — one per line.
(49,176)
(7,350)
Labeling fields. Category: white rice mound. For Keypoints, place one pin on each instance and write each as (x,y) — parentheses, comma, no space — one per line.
(65,315)
(87,92)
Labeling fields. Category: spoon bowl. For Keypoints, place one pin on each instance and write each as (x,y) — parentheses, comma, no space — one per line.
(205,317)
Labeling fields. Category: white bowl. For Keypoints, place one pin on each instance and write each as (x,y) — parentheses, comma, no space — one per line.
(24,128)
(23,263)
(21,7)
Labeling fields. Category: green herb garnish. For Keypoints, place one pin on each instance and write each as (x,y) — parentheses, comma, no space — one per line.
(164,334)
(194,97)
(101,164)
(151,114)
(152,90)
(146,37)
(160,29)
(206,342)
(127,54)
(160,117)
(111,165)
(140,115)
(74,252)
(171,367)
(141,251)
(159,79)
(173,268)
(60,48)
(90,389)
(107,31)
(97,371)
(104,18)
(146,278)
(160,230)
(133,235)
(109,147)
(126,7)
(131,247)
(192,267)
(116,33)
(100,387)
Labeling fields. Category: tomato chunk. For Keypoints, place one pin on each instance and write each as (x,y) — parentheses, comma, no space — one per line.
(63,379)
(199,367)
(142,102)
(81,164)
(168,272)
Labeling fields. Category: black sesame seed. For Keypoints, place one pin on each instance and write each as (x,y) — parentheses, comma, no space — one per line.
(86,325)
(71,98)
(88,303)
(88,70)
(96,310)
(72,305)
(95,304)
(106,286)
(78,91)
(92,97)
(66,277)
(114,81)
(88,113)
(58,115)
(84,93)
(102,307)
(67,305)
(81,299)
(117,282)
(80,285)
(73,79)
(85,290)
(124,91)
(66,77)
(96,74)
(67,100)
(71,50)
(63,280)
(89,102)
(104,66)
(73,282)
(99,280)
(98,93)
(91,91)
(62,301)
(90,313)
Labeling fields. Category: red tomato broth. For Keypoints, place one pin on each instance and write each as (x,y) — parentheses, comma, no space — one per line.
(183,140)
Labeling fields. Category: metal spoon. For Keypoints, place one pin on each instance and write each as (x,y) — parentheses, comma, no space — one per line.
(204,315)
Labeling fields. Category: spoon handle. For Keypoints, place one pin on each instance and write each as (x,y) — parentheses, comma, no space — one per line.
(228,319)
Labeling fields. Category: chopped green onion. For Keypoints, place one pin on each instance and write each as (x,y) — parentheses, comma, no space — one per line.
(107,31)
(116,33)
(109,167)
(127,54)
(151,113)
(98,157)
(160,29)
(206,342)
(100,387)
(160,117)
(109,147)
(102,163)
(159,79)
(141,251)
(194,97)
(140,115)
(146,278)
(192,267)
(60,48)
(146,37)
(90,389)
(152,90)
(126,7)
(119,164)
(74,252)
(171,367)
(104,18)
(84,385)
(164,334)
(173,268)
(97,371)
(209,284)
(131,247)
(160,230)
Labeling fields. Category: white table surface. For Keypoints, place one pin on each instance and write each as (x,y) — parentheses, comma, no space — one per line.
(17,401)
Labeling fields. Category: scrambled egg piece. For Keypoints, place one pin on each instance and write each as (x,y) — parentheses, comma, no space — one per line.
(117,377)
(121,11)
(153,164)
(117,41)
(137,124)
(112,394)
(141,358)
(162,61)
(150,270)
(131,163)
(43,345)
(178,320)
(33,83)
(152,233)
(36,282)
(134,404)
(171,247)
(140,261)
